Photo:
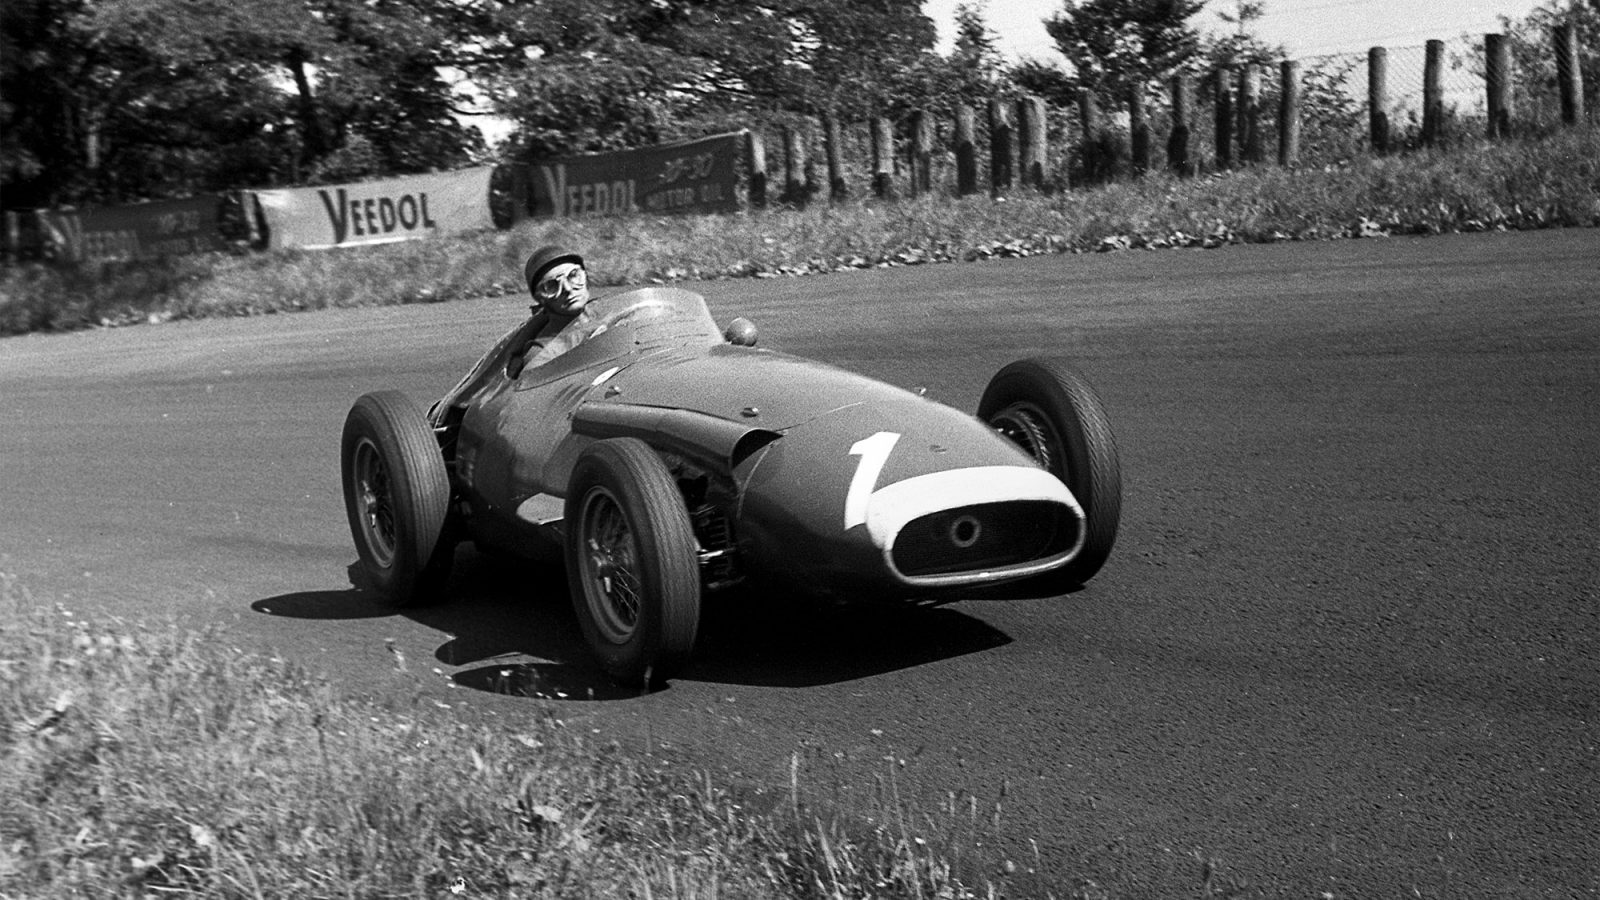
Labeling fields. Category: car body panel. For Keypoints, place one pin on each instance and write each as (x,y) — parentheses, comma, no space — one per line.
(827,478)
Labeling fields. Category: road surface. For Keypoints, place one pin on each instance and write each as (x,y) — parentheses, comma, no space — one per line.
(1346,645)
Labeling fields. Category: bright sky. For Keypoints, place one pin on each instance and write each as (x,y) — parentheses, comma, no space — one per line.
(1304,27)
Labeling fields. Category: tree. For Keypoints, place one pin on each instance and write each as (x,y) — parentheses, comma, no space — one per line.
(92,114)
(1241,46)
(593,75)
(972,72)
(39,134)
(1116,45)
(1056,85)
(358,67)
(975,60)
(110,100)
(600,74)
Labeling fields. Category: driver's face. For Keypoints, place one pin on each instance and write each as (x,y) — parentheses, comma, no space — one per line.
(564,290)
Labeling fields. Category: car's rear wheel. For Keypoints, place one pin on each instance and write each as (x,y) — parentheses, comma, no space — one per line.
(631,561)
(1047,408)
(397,498)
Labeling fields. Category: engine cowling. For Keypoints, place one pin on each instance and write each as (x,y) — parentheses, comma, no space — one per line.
(901,497)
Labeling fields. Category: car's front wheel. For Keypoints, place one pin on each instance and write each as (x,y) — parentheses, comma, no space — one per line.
(397,497)
(1047,408)
(632,561)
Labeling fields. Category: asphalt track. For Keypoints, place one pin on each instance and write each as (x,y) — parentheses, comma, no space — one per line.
(1346,646)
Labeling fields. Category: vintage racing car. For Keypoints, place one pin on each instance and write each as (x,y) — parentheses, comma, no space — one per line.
(664,457)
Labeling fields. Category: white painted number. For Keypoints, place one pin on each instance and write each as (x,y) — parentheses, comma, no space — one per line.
(874,452)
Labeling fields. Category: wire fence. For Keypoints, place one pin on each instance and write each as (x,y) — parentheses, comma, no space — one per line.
(1347,105)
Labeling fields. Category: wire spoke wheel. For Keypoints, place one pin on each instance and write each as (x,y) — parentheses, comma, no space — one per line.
(376,504)
(610,570)
(632,561)
(1028,426)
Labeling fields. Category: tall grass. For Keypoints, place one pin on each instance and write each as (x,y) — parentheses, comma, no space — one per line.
(156,761)
(1539,182)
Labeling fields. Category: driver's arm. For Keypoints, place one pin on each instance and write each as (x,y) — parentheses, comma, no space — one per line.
(506,352)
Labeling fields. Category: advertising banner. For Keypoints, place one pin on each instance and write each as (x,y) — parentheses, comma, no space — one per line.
(377,212)
(699,176)
(136,231)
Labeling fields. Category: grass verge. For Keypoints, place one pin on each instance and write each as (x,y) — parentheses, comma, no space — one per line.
(146,761)
(1537,182)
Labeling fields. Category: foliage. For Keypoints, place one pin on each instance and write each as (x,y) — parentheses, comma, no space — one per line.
(1241,46)
(106,101)
(111,100)
(1056,85)
(976,53)
(972,74)
(1114,46)
(1533,60)
(1333,116)
(601,75)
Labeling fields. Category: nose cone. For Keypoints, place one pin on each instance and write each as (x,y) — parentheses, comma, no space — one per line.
(897,497)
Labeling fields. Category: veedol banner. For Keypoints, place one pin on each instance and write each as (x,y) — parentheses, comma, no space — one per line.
(698,176)
(137,231)
(377,212)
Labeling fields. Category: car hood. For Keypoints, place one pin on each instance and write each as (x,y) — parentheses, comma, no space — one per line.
(760,388)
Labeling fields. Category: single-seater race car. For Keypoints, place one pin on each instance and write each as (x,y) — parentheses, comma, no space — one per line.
(664,457)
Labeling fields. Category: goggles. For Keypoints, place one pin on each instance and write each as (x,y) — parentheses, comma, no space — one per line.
(569,276)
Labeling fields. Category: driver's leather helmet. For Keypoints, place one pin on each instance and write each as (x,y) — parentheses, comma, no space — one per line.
(544,259)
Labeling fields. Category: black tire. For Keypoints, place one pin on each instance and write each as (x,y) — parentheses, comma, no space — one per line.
(1046,407)
(397,497)
(632,562)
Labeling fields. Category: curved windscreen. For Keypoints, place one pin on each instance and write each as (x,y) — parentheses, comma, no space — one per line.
(633,313)
(621,324)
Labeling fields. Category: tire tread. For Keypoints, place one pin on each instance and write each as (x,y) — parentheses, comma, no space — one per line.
(400,430)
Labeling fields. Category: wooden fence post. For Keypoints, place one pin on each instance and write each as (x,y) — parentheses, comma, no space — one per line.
(1222,105)
(520,188)
(1094,161)
(1178,139)
(838,190)
(1378,98)
(48,243)
(13,252)
(1031,125)
(1569,73)
(1432,93)
(1289,114)
(1497,81)
(1000,136)
(756,158)
(966,151)
(1251,147)
(794,165)
(882,158)
(921,153)
(808,171)
(252,224)
(1138,130)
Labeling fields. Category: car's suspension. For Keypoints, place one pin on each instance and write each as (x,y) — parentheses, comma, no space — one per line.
(719,561)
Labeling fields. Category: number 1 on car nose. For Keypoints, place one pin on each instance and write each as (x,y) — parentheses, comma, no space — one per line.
(874,452)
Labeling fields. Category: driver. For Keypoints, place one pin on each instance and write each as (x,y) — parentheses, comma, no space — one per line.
(559,285)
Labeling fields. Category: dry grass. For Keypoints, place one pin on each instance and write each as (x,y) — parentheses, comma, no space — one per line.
(155,761)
